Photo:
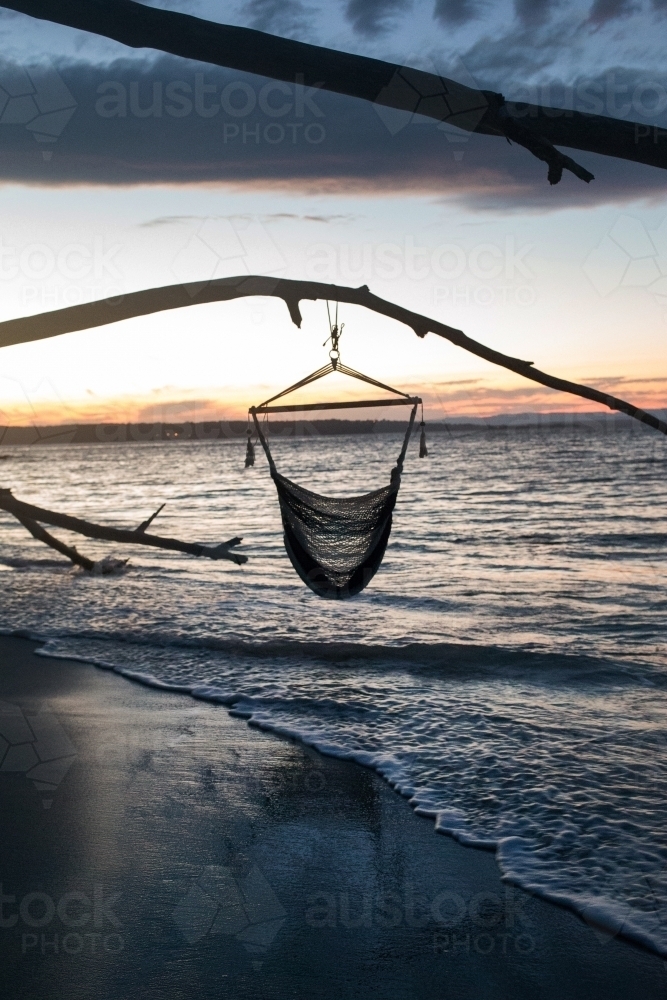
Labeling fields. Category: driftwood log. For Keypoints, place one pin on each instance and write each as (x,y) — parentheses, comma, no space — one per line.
(152,300)
(30,516)
(538,128)
(42,535)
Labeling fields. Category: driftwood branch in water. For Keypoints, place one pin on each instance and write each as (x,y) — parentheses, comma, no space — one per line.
(152,300)
(27,513)
(42,535)
(104,566)
(149,520)
(539,128)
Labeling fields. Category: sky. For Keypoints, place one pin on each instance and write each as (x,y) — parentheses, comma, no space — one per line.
(124,169)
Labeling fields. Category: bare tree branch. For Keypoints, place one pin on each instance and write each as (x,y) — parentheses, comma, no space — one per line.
(26,513)
(42,535)
(152,300)
(149,520)
(538,128)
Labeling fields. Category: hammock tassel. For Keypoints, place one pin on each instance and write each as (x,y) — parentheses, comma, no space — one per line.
(423,450)
(249,451)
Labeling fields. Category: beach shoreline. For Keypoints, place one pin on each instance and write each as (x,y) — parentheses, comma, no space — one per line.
(177,850)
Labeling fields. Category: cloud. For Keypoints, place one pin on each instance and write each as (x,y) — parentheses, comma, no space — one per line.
(175,220)
(372,17)
(172,121)
(533,11)
(489,395)
(455,12)
(281,17)
(488,398)
(603,11)
(169,220)
(527,51)
(328,218)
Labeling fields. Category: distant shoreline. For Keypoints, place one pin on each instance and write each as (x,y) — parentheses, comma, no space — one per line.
(220,430)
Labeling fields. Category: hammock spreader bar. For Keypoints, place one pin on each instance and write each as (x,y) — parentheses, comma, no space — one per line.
(335,366)
(347,405)
(336,545)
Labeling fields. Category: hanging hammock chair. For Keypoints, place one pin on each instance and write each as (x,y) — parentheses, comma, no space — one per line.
(335,544)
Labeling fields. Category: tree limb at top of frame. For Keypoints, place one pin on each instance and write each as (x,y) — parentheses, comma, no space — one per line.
(152,300)
(538,128)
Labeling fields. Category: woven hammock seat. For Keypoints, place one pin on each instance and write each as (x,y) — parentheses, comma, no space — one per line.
(336,545)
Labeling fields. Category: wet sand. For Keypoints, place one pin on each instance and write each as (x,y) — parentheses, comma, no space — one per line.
(153,846)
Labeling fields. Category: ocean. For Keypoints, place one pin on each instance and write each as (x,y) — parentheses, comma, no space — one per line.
(506,669)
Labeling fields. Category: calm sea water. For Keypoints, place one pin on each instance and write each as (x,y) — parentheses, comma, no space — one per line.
(506,670)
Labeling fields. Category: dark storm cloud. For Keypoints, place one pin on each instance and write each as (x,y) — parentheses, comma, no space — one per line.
(455,12)
(371,17)
(608,10)
(171,121)
(283,17)
(533,11)
(520,54)
(509,61)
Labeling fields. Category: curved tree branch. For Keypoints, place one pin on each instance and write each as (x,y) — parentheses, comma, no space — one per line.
(536,127)
(152,300)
